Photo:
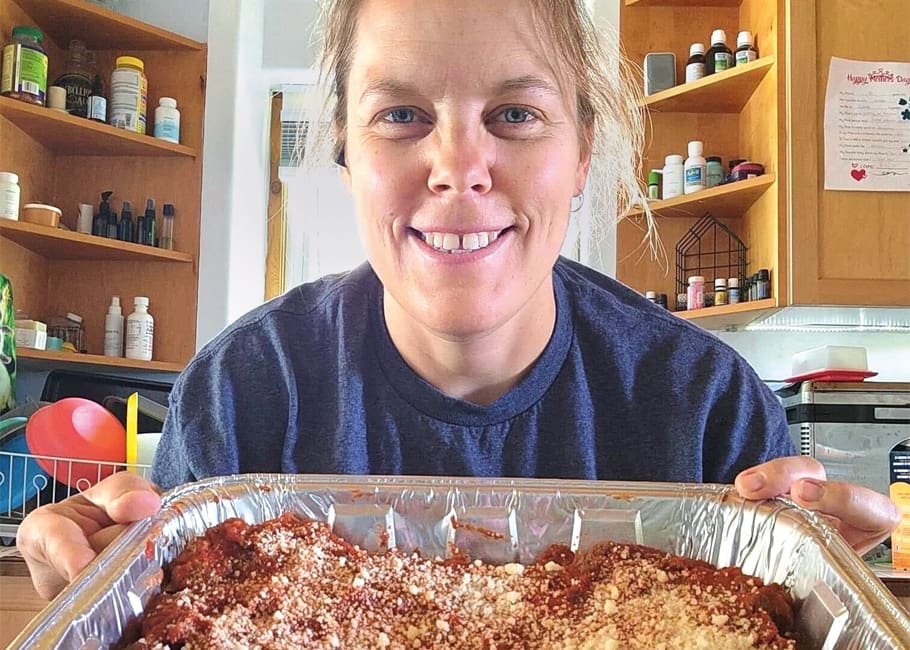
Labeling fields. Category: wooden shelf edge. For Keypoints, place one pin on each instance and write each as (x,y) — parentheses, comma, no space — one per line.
(20,232)
(12,108)
(759,67)
(683,3)
(726,317)
(758,184)
(96,360)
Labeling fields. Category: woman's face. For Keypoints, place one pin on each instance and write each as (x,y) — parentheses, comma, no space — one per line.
(463,156)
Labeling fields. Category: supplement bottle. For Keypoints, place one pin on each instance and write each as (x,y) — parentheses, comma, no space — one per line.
(97,101)
(167,120)
(673,176)
(719,57)
(654,185)
(9,195)
(695,297)
(24,72)
(714,171)
(140,331)
(113,329)
(745,52)
(720,291)
(76,79)
(129,95)
(695,168)
(695,66)
(733,291)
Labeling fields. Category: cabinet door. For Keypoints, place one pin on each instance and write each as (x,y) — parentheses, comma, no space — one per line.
(847,248)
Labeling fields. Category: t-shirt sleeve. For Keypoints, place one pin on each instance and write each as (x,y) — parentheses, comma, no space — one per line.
(746,425)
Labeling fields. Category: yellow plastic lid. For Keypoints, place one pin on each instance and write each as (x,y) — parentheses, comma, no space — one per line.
(131,61)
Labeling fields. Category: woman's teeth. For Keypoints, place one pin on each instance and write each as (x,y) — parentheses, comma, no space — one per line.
(452,243)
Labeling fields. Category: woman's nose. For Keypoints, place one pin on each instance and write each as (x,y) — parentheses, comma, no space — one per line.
(461,163)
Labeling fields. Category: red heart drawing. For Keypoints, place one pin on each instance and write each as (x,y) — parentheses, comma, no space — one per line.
(858,174)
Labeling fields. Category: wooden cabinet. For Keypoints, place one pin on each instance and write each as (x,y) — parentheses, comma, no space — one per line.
(821,247)
(65,160)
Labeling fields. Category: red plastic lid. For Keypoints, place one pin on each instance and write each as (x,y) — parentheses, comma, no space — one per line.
(829,374)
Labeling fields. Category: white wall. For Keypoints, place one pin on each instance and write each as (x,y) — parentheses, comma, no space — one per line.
(189,18)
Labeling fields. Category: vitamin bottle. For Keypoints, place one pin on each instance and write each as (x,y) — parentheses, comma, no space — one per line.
(129,95)
(673,176)
(695,297)
(694,168)
(9,195)
(653,185)
(745,52)
(76,79)
(695,66)
(733,291)
(167,120)
(140,331)
(97,102)
(720,291)
(24,72)
(719,57)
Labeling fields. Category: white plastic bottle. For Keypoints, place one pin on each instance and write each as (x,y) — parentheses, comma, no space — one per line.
(140,330)
(167,120)
(113,329)
(673,176)
(695,168)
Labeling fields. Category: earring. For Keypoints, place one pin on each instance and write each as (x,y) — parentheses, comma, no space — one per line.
(581,201)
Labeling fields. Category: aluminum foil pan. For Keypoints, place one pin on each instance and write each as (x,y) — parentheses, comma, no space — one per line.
(841,603)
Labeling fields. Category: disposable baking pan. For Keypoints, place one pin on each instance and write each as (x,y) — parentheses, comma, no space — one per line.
(841,604)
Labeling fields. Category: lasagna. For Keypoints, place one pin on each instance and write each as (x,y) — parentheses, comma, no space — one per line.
(291,582)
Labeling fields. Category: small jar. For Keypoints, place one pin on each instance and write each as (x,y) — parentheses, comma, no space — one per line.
(763,285)
(733,291)
(662,300)
(167,120)
(9,195)
(654,184)
(720,292)
(651,296)
(714,171)
(24,74)
(695,297)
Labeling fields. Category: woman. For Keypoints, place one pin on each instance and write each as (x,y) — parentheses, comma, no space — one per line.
(466,346)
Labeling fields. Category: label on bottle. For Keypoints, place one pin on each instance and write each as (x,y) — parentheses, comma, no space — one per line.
(9,201)
(139,334)
(653,192)
(97,108)
(695,71)
(167,128)
(113,339)
(129,99)
(722,61)
(24,71)
(695,175)
(745,56)
(78,88)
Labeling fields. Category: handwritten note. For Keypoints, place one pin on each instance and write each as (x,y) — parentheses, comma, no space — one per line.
(867,126)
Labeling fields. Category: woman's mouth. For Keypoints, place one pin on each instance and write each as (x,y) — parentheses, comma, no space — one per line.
(460,244)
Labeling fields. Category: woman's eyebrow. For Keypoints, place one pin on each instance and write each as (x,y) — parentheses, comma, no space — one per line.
(386,87)
(530,82)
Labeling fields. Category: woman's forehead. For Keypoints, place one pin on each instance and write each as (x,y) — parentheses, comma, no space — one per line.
(403,45)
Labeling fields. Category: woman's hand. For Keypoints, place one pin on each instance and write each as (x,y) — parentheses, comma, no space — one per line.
(864,517)
(58,540)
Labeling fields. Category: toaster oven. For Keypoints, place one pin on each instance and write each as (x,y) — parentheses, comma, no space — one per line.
(850,427)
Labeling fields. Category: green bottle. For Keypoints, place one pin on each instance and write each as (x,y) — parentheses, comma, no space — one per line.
(7,346)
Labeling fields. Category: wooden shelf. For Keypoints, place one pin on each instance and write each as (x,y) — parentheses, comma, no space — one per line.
(66,134)
(683,3)
(100,28)
(729,201)
(728,317)
(59,244)
(59,358)
(722,92)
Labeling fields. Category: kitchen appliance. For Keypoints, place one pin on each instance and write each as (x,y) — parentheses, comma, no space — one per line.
(850,427)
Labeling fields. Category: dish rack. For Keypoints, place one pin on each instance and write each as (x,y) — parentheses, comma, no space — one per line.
(25,485)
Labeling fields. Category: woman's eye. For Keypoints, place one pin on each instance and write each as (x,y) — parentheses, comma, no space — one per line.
(516,115)
(400,116)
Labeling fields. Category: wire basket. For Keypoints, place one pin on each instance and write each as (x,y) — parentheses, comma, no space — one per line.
(709,249)
(28,481)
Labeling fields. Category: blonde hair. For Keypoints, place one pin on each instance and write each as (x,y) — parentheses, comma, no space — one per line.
(610,115)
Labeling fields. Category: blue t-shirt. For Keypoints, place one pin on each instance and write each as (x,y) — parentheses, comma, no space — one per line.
(311,382)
